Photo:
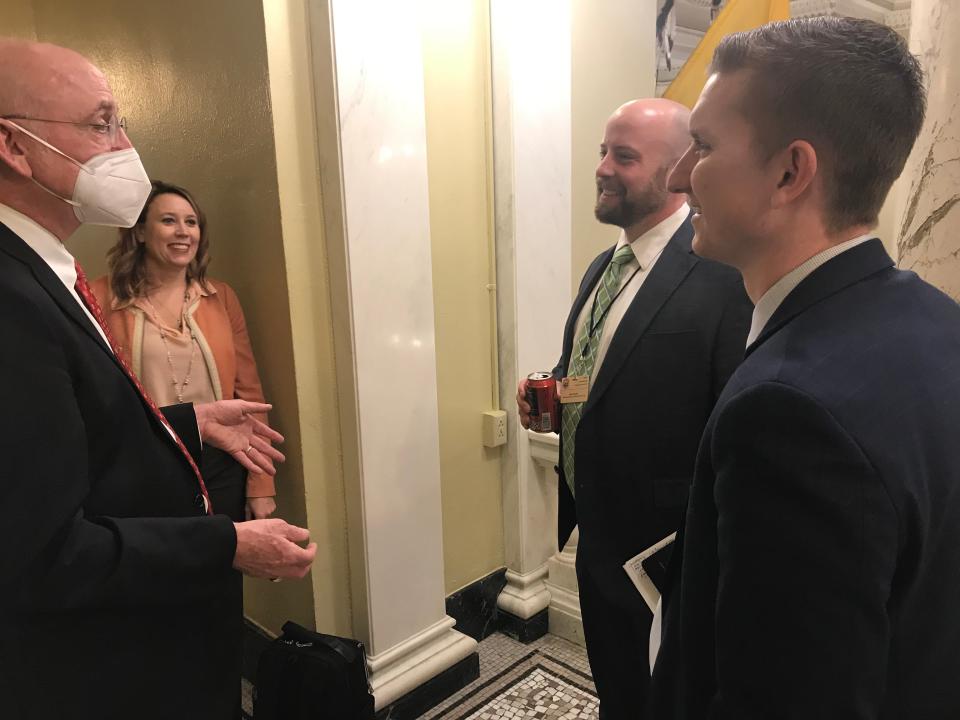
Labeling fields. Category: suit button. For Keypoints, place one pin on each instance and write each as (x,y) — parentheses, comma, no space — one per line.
(556,469)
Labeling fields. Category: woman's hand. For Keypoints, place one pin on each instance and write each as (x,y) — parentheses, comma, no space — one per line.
(259,508)
(230,426)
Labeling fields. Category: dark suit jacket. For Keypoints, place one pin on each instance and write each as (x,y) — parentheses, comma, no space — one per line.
(681,338)
(821,548)
(116,587)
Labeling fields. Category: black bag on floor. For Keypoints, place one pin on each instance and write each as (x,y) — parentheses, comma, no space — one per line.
(304,675)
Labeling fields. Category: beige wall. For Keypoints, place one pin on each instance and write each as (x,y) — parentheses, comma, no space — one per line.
(457,97)
(613,60)
(191,77)
(18,19)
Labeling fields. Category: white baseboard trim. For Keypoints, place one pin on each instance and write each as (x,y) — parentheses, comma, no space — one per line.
(407,666)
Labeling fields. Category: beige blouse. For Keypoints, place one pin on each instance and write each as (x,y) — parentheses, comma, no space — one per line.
(173,363)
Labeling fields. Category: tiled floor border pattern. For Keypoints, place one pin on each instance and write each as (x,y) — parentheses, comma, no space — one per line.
(506,666)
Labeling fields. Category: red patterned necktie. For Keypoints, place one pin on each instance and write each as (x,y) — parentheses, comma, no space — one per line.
(83,289)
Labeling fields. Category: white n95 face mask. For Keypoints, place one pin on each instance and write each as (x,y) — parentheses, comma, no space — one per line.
(111,188)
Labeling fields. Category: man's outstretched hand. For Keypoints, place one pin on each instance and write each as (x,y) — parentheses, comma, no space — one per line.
(269,549)
(230,426)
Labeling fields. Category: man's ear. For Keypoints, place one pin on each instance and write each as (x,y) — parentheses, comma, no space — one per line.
(795,167)
(12,153)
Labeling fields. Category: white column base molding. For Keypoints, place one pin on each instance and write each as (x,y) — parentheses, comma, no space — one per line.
(562,567)
(407,666)
(564,615)
(525,594)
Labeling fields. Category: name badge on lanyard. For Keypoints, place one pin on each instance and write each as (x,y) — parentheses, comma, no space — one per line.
(574,389)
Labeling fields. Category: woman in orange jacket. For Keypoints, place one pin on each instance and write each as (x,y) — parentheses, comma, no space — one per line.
(183,333)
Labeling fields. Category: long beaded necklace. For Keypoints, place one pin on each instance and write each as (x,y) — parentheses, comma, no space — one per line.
(163,337)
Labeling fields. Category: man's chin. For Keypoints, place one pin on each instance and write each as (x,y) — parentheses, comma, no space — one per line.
(701,240)
(701,245)
(607,218)
(608,215)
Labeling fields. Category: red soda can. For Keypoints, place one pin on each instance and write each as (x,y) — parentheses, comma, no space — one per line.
(542,397)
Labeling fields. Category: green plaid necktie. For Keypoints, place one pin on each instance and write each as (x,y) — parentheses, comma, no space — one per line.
(584,353)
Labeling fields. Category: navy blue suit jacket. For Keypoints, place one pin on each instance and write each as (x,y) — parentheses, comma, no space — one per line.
(673,351)
(821,549)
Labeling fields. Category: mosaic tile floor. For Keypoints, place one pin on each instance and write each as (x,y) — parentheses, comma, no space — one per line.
(549,679)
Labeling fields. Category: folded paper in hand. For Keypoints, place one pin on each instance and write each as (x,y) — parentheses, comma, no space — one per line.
(646,569)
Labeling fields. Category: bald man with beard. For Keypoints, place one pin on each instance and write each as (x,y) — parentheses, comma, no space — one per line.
(117,590)
(656,332)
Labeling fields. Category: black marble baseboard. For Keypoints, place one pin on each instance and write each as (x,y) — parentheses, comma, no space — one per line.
(525,631)
(475,606)
(433,692)
(477,615)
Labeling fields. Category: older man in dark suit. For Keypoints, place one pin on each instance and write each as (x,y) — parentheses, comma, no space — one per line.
(654,333)
(115,590)
(819,573)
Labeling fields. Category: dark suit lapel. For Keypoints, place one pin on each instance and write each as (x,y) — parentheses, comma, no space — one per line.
(670,270)
(833,276)
(590,282)
(14,246)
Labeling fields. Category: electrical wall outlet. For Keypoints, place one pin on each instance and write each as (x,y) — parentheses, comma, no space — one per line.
(494,428)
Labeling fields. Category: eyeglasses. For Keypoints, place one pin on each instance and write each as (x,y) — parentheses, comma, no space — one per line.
(110,128)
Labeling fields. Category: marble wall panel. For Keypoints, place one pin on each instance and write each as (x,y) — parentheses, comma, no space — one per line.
(929,237)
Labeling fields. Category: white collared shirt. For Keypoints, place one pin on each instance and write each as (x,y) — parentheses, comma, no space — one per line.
(51,251)
(772,299)
(646,251)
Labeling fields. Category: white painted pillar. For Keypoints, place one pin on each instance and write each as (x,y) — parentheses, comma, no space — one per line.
(531,109)
(393,486)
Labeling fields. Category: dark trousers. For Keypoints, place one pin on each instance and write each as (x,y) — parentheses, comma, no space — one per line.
(617,630)
(226,482)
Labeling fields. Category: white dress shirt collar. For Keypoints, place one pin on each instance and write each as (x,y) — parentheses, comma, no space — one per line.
(648,246)
(43,243)
(772,299)
(51,251)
